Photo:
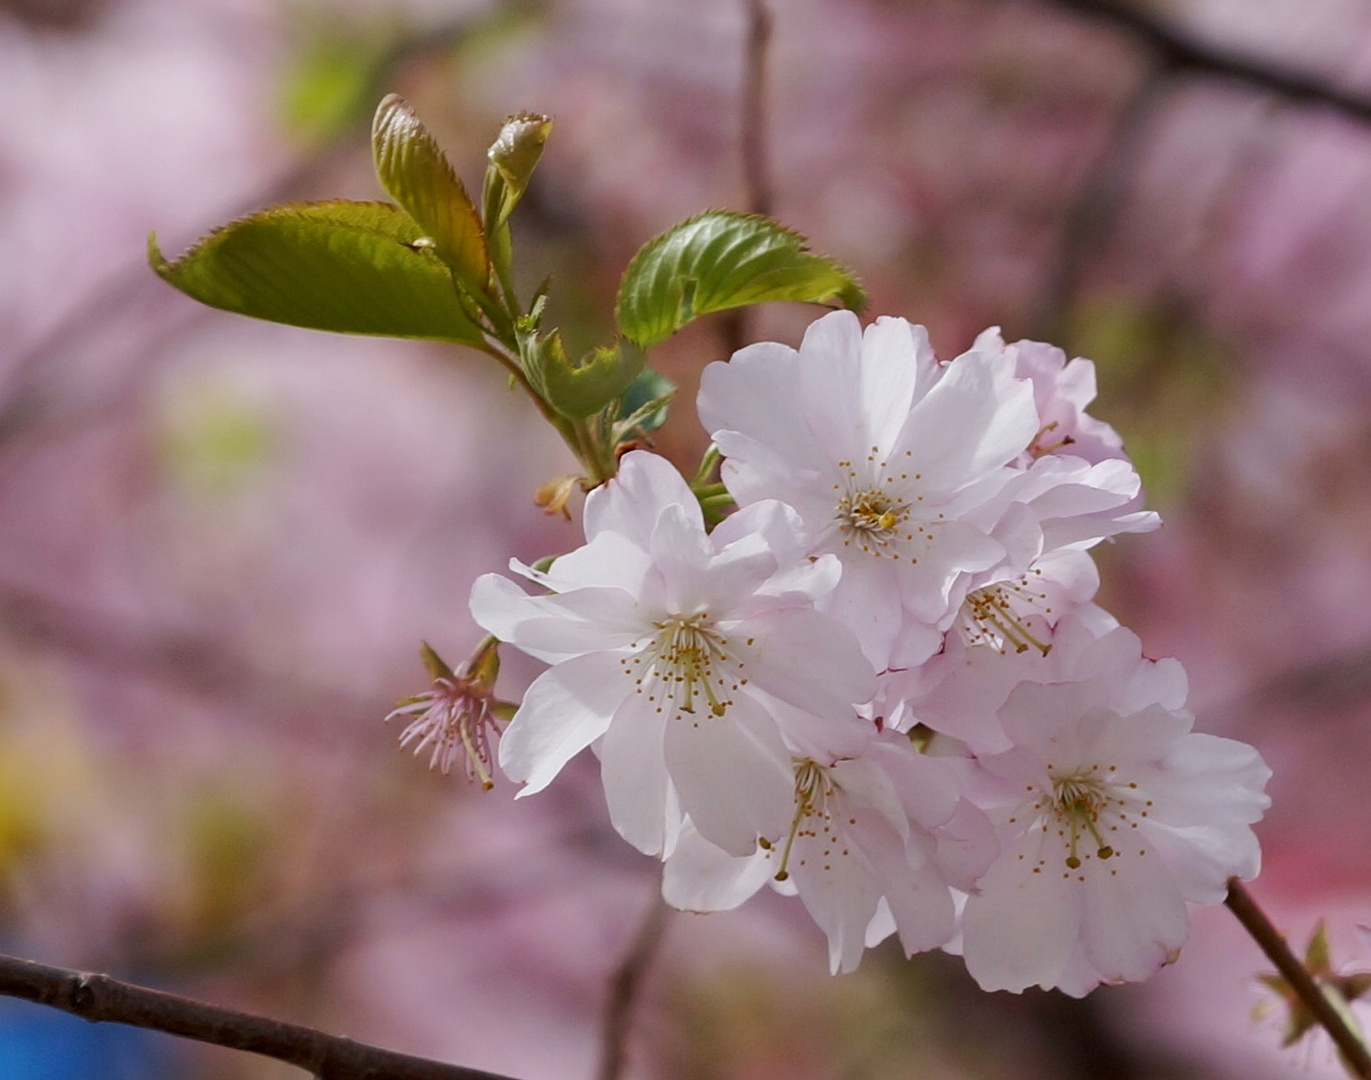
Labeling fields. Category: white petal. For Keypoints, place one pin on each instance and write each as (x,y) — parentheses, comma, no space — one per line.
(807,659)
(1134,920)
(973,421)
(894,354)
(702,877)
(633,769)
(756,394)
(839,892)
(564,710)
(828,372)
(553,628)
(631,501)
(867,601)
(923,911)
(733,774)
(1022,926)
(611,560)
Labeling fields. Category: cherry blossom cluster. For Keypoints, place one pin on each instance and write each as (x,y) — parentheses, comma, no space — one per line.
(882,683)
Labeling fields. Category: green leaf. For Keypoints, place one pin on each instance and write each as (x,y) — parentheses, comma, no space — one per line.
(722,260)
(413,168)
(356,268)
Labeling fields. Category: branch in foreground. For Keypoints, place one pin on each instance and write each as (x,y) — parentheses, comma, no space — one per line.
(1311,995)
(98,998)
(1180,52)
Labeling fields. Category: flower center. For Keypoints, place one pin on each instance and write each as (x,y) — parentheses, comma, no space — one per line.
(872,513)
(813,787)
(1046,441)
(992,616)
(1091,811)
(684,664)
(1089,807)
(1078,801)
(873,516)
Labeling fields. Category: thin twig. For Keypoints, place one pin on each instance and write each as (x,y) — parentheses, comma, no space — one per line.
(98,998)
(752,146)
(1273,944)
(623,990)
(755,159)
(1178,51)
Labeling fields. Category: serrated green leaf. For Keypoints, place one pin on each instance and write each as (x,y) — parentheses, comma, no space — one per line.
(349,267)
(414,170)
(722,260)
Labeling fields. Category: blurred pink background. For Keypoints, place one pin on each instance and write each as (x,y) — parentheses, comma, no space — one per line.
(221,541)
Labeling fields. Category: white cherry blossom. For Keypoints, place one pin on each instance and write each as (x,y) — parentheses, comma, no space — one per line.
(886,455)
(1112,814)
(874,845)
(672,653)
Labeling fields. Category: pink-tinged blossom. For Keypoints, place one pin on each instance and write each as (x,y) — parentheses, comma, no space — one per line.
(455,717)
(960,692)
(874,844)
(886,455)
(1111,814)
(1075,488)
(1061,392)
(673,651)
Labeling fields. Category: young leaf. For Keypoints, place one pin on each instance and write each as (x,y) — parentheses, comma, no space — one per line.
(721,260)
(513,156)
(357,268)
(413,168)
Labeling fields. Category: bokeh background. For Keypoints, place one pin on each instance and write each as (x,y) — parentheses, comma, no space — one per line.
(221,541)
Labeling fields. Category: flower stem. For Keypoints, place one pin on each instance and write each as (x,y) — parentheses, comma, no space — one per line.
(1355,1054)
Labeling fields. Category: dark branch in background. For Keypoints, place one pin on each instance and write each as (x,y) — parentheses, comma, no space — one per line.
(1102,194)
(628,978)
(98,998)
(1354,1052)
(1179,52)
(752,146)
